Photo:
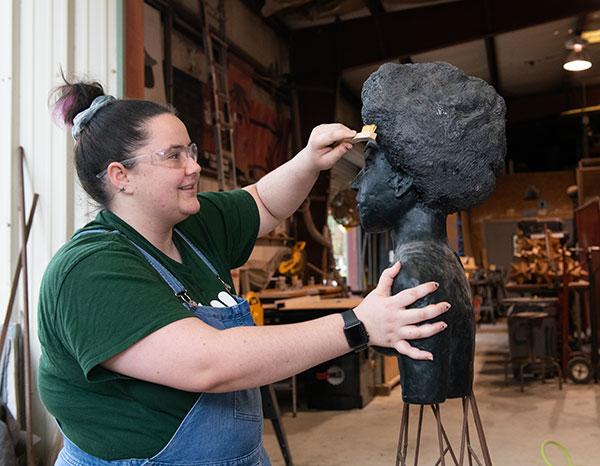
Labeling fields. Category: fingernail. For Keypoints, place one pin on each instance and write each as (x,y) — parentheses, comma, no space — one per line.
(448,306)
(444,325)
(430,357)
(436,284)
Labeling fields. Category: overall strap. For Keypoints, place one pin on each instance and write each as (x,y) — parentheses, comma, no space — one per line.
(167,276)
(204,259)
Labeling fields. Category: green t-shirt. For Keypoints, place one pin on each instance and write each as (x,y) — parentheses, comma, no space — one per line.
(99,296)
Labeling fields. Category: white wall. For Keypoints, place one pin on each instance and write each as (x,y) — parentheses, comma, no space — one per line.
(8,88)
(84,38)
(39,38)
(98,51)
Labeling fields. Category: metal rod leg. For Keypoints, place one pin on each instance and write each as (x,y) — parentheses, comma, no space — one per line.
(521,367)
(558,373)
(464,431)
(294,396)
(443,439)
(405,444)
(468,436)
(419,429)
(271,411)
(543,361)
(447,440)
(401,460)
(479,426)
(438,420)
(282,440)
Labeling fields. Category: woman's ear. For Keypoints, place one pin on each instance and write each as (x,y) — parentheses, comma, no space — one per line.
(116,175)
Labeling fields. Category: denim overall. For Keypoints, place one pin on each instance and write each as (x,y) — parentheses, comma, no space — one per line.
(221,429)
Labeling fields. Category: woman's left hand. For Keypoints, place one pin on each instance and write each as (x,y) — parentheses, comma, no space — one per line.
(326,145)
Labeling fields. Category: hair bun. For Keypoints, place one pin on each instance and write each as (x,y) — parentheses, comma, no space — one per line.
(73,98)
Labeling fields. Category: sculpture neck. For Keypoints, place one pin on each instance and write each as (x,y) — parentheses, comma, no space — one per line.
(421,224)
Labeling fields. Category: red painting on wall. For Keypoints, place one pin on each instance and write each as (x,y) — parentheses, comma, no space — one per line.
(261,123)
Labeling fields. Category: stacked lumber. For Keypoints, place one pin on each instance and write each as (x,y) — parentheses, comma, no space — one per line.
(543,260)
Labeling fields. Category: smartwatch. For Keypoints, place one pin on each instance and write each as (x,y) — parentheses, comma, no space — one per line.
(355,331)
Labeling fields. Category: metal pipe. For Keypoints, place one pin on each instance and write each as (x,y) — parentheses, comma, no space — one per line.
(26,342)
(593,308)
(15,281)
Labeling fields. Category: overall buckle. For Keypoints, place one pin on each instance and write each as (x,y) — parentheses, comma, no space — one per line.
(186,299)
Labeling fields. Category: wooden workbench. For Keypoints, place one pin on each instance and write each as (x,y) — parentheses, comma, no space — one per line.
(273,294)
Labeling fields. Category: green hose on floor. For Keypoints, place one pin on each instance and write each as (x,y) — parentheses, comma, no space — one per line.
(560,446)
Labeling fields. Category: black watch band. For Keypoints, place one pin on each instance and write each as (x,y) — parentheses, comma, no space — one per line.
(355,331)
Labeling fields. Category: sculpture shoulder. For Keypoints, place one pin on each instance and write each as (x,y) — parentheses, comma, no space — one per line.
(424,261)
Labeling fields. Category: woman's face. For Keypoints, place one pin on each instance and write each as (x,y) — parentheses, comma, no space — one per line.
(161,191)
(383,194)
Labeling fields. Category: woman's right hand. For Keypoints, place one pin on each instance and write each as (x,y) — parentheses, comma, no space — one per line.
(388,321)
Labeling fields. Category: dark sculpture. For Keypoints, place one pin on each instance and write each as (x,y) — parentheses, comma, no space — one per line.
(440,144)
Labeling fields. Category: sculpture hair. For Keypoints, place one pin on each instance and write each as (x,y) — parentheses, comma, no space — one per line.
(442,128)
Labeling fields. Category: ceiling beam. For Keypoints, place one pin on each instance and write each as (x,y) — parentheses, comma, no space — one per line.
(255,6)
(490,49)
(375,7)
(492,62)
(416,30)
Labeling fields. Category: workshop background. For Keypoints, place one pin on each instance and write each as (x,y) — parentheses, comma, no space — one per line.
(250,79)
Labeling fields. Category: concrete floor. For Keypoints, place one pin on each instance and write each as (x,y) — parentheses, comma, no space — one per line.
(515,423)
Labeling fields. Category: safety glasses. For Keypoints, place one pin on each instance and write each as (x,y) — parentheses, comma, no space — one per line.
(173,157)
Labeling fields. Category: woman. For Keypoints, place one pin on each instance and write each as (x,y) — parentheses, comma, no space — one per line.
(440,144)
(148,356)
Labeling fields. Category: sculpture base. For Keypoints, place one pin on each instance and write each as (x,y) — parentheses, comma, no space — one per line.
(466,449)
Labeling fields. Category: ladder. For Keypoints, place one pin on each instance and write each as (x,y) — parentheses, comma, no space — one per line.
(215,49)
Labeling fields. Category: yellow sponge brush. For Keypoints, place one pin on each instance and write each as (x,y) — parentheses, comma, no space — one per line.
(367,133)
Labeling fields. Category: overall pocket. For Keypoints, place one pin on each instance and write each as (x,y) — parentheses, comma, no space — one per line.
(248,405)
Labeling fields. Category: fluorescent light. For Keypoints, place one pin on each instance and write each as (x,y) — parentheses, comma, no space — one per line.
(575,111)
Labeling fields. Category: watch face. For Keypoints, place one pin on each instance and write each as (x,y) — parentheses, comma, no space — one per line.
(357,335)
(355,331)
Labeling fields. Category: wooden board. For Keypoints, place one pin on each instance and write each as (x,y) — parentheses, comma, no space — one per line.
(316,302)
(511,286)
(284,294)
(308,290)
(323,289)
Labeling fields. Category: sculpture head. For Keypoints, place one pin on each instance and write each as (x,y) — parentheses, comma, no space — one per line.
(440,141)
